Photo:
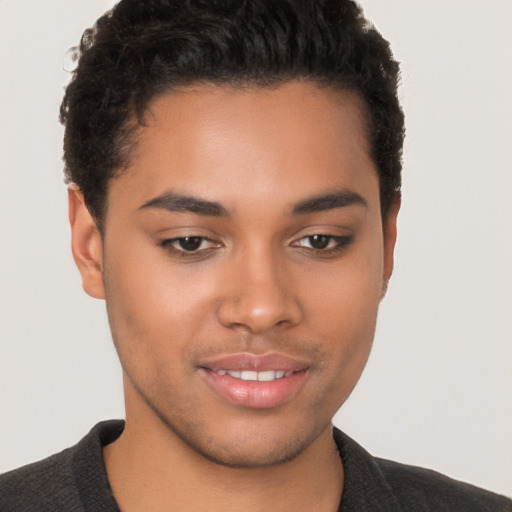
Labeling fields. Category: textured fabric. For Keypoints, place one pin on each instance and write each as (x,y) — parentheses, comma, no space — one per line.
(75,480)
(378,485)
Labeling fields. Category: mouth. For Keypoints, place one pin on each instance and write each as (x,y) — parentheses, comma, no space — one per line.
(255,381)
(249,375)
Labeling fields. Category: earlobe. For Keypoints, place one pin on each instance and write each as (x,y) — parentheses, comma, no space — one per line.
(390,233)
(86,244)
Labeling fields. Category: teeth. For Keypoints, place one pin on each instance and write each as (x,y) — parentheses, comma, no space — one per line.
(247,375)
(266,376)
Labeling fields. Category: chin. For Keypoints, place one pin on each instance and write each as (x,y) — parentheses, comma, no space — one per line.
(249,443)
(252,453)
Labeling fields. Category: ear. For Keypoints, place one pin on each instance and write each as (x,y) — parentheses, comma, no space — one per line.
(390,232)
(86,244)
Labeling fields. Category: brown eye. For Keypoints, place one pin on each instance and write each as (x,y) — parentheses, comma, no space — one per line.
(190,243)
(323,244)
(319,242)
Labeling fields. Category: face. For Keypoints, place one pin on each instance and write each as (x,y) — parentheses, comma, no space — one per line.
(243,263)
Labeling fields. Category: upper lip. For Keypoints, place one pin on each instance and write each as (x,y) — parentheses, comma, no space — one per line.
(246,361)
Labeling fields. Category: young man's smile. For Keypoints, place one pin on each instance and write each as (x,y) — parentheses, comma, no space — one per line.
(243,264)
(259,381)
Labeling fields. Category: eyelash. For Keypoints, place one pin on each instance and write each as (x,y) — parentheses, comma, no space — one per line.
(171,243)
(341,243)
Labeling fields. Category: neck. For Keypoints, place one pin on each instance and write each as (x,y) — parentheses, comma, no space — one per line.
(150,468)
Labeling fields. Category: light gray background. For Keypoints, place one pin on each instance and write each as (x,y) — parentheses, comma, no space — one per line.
(437,391)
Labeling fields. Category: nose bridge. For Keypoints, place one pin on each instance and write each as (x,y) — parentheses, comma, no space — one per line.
(259,297)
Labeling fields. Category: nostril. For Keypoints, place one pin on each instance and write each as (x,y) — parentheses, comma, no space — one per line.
(259,316)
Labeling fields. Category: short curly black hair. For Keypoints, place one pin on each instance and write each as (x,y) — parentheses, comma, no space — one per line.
(142,48)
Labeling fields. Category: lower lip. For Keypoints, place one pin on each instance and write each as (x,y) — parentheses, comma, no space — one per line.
(252,393)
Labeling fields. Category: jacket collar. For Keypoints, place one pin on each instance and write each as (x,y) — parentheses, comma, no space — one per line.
(365,487)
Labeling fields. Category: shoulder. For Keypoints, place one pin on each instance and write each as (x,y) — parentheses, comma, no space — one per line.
(44,485)
(372,483)
(73,480)
(414,487)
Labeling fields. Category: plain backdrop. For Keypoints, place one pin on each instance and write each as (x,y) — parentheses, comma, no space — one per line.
(437,390)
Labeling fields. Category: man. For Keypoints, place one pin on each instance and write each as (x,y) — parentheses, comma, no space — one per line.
(234,176)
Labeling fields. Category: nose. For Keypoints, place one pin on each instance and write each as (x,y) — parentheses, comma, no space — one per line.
(259,295)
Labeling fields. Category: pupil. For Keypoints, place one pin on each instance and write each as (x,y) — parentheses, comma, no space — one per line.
(319,241)
(190,243)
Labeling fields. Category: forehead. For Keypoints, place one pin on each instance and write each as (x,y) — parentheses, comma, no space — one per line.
(209,140)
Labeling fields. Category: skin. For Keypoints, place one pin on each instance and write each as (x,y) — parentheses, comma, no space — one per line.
(256,285)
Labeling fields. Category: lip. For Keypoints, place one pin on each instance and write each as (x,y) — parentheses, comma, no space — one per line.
(251,393)
(255,362)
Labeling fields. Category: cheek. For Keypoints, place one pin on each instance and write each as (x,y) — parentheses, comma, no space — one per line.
(147,285)
(158,310)
(346,295)
(142,300)
(345,326)
(343,308)
(346,323)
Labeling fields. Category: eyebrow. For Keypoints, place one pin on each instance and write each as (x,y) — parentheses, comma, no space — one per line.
(182,203)
(330,201)
(173,202)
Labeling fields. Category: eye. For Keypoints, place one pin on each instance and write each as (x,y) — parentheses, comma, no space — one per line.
(323,243)
(189,244)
